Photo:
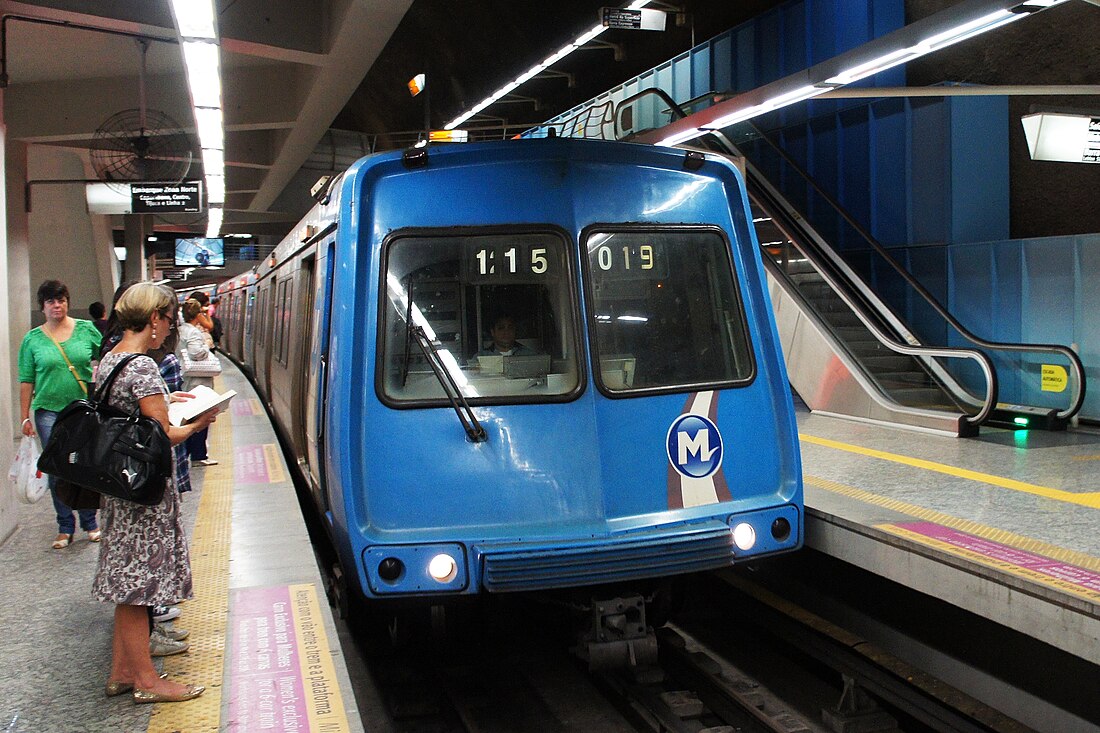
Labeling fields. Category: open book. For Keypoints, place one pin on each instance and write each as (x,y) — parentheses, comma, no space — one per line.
(205,398)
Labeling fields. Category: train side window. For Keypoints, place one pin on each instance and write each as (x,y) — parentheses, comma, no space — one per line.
(665,311)
(455,287)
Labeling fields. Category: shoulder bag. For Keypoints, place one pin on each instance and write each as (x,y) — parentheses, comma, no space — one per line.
(109,451)
(208,367)
(72,369)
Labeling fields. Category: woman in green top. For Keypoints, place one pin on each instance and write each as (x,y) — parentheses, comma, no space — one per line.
(55,368)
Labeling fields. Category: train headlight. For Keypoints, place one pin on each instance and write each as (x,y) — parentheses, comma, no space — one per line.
(443,568)
(390,569)
(744,536)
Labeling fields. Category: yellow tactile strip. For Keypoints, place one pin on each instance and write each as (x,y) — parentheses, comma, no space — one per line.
(1010,539)
(1089,499)
(206,615)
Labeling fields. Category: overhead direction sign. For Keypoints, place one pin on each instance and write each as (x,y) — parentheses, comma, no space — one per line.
(184,197)
(627,19)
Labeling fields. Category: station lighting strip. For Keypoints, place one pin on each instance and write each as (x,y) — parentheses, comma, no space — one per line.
(199,40)
(537,69)
(986,20)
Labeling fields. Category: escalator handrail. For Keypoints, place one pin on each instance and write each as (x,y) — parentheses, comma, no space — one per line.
(839,273)
(919,351)
(1075,361)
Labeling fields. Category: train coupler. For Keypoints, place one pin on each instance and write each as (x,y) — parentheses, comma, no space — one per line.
(618,637)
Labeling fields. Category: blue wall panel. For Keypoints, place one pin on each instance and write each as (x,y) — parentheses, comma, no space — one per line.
(1031,291)
(979,169)
(854,182)
(722,69)
(889,190)
(929,172)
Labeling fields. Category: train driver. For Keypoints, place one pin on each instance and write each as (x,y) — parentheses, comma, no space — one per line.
(504,339)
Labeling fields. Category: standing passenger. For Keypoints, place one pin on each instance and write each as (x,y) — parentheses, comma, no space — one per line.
(98,312)
(55,368)
(144,559)
(193,341)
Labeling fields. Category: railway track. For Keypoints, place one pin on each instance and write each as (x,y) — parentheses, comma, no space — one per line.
(510,669)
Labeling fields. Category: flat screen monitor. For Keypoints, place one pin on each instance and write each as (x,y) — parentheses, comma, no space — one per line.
(200,252)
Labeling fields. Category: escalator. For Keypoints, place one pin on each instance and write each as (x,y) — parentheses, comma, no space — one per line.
(848,351)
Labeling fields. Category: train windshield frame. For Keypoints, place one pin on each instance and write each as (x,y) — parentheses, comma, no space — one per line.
(467,288)
(665,310)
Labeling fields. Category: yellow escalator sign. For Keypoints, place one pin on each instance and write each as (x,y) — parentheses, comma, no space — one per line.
(1054,378)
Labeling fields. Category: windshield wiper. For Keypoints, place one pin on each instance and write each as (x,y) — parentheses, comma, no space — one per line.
(458,401)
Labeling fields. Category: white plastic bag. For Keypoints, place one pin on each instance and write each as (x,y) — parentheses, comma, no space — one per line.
(30,483)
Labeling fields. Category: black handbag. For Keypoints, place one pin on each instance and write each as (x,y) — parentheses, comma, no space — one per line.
(76,497)
(104,449)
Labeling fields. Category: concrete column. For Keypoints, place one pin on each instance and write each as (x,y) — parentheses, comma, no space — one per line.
(9,397)
(137,228)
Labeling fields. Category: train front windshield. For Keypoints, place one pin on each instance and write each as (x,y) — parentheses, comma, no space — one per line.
(500,309)
(665,314)
(665,309)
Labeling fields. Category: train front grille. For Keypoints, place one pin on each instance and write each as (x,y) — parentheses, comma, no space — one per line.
(660,552)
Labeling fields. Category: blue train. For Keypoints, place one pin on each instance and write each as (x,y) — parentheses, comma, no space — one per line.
(527,365)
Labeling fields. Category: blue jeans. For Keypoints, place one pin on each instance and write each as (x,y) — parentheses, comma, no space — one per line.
(196,445)
(43,423)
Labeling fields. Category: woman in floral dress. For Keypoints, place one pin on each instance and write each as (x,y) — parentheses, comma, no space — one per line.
(143,559)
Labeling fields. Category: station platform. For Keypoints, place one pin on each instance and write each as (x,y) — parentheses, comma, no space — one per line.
(262,636)
(1005,525)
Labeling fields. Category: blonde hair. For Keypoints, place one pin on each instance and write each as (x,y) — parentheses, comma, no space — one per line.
(140,301)
(191,308)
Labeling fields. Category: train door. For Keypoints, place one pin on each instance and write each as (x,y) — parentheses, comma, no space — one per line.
(262,341)
(316,377)
(303,329)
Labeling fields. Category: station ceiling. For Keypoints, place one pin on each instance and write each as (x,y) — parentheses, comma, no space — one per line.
(308,85)
(294,70)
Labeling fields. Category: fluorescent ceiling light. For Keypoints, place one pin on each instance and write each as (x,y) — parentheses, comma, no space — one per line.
(213,161)
(557,56)
(589,35)
(681,137)
(194,18)
(213,221)
(531,73)
(1068,138)
(872,67)
(209,123)
(215,189)
(968,30)
(203,78)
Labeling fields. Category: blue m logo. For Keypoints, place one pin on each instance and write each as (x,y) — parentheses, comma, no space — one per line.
(694,446)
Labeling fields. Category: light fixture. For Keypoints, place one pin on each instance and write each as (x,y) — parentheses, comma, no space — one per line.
(215,189)
(213,221)
(194,19)
(535,70)
(203,73)
(1064,137)
(744,536)
(449,136)
(197,29)
(209,123)
(911,42)
(213,161)
(443,568)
